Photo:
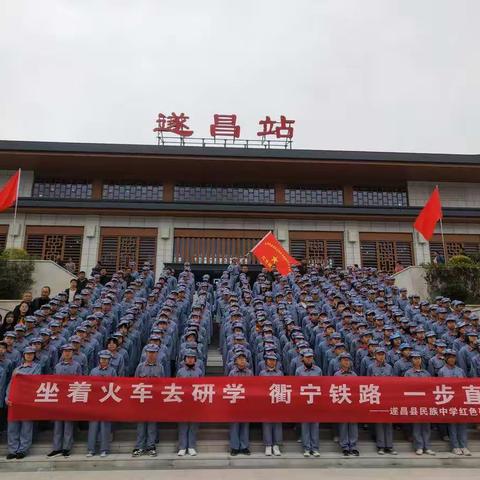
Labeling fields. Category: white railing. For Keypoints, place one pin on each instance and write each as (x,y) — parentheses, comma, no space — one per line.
(413,279)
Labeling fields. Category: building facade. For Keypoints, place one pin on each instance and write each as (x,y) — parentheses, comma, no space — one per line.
(165,204)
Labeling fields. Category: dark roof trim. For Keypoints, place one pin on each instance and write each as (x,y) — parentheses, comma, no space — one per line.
(106,205)
(122,149)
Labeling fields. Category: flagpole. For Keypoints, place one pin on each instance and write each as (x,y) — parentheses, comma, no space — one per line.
(443,241)
(441,233)
(16,202)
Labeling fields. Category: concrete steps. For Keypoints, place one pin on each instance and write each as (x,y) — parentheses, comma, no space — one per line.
(222,460)
(214,437)
(222,445)
(213,452)
(214,365)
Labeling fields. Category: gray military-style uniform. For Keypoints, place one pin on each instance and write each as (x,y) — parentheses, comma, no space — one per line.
(421,431)
(147,431)
(20,433)
(104,429)
(383,431)
(187,431)
(347,432)
(456,431)
(239,432)
(63,430)
(272,432)
(310,430)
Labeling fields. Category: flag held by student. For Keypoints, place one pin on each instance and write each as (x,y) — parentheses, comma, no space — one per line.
(270,253)
(429,216)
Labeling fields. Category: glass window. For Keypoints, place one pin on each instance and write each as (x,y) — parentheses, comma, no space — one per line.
(223,194)
(314,196)
(115,191)
(62,189)
(380,197)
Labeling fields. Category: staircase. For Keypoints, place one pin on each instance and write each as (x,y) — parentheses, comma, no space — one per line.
(213,452)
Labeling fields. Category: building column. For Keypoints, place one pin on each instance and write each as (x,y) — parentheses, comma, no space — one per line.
(16,236)
(168,191)
(279,193)
(97,189)
(421,249)
(91,244)
(165,241)
(352,245)
(348,195)
(281,232)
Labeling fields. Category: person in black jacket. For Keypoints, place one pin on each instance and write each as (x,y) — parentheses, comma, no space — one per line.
(44,298)
(7,324)
(81,280)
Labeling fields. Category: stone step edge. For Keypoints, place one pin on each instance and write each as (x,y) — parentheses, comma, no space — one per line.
(126,462)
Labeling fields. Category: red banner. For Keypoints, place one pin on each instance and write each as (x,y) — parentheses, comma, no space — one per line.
(246,399)
(270,253)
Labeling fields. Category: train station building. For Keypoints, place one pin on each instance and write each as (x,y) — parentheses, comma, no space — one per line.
(169,204)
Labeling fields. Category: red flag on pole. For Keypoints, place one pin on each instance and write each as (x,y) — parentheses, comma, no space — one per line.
(270,253)
(430,215)
(9,192)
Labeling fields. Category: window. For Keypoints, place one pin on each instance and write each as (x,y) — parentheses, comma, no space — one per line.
(382,251)
(380,197)
(55,243)
(320,248)
(120,247)
(456,245)
(314,196)
(223,194)
(62,189)
(214,246)
(116,191)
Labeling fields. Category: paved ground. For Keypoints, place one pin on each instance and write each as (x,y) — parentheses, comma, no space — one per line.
(263,474)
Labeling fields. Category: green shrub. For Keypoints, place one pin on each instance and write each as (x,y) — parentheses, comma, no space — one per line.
(16,269)
(458,279)
(460,260)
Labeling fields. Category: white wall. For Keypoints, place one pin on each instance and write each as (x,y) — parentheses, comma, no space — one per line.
(49,273)
(452,194)
(26,181)
(165,227)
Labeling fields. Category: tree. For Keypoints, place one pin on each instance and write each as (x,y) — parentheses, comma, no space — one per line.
(16,269)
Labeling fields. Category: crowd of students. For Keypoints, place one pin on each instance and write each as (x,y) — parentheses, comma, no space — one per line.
(319,322)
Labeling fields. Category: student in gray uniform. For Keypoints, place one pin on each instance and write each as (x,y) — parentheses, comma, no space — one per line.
(102,429)
(383,431)
(421,431)
(456,431)
(310,430)
(348,432)
(20,433)
(240,432)
(147,431)
(63,430)
(272,432)
(187,431)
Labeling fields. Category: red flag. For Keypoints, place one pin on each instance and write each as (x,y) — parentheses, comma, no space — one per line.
(9,192)
(430,215)
(270,253)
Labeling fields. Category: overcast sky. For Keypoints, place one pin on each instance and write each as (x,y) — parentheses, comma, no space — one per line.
(393,75)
